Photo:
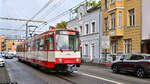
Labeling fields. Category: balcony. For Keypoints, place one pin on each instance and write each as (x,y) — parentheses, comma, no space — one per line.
(116,33)
(115,6)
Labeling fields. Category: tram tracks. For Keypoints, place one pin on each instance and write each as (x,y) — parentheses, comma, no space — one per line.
(47,75)
(68,80)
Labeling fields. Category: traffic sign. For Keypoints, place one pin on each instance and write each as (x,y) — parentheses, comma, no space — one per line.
(105,42)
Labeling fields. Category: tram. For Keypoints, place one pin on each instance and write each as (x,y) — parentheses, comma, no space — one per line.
(56,49)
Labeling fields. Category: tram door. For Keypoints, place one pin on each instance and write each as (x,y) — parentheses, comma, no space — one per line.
(46,46)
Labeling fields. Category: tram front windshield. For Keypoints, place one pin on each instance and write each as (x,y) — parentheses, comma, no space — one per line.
(67,42)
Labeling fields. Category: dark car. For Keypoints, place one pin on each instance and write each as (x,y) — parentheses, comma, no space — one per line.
(135,63)
(9,56)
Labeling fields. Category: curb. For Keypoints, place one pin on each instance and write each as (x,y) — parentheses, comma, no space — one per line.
(105,64)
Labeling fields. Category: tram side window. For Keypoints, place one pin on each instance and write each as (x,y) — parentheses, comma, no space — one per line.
(34,45)
(46,41)
(41,44)
(51,42)
(31,45)
(38,44)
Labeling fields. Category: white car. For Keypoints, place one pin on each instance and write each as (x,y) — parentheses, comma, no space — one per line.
(2,61)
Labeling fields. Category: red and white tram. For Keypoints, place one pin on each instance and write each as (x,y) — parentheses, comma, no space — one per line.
(56,49)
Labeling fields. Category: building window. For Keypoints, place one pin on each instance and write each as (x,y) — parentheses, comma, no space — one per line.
(81,30)
(86,29)
(119,19)
(93,27)
(86,50)
(131,17)
(106,24)
(113,21)
(9,49)
(16,40)
(112,1)
(114,47)
(128,46)
(106,4)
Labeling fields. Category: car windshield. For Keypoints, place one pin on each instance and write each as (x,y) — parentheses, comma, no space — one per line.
(67,42)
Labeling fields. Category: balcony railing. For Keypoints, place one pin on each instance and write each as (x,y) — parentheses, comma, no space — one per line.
(116,32)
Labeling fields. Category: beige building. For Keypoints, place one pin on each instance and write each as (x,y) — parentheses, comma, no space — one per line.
(2,43)
(126,23)
(9,44)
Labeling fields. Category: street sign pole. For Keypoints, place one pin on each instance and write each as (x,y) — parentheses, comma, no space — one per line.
(105,45)
(105,55)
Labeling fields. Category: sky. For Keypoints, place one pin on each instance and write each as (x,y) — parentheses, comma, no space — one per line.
(25,9)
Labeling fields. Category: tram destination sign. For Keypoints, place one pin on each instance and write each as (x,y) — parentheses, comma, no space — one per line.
(67,32)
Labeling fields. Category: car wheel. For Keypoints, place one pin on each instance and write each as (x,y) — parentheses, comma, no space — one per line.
(3,65)
(140,73)
(115,69)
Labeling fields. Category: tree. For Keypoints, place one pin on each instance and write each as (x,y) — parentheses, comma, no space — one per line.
(52,27)
(61,25)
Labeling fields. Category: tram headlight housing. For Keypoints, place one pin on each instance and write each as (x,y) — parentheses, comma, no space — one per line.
(77,60)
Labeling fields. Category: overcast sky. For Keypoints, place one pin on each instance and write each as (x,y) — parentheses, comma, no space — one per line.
(25,9)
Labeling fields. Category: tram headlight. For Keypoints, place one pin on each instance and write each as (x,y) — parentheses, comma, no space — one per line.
(77,60)
(60,60)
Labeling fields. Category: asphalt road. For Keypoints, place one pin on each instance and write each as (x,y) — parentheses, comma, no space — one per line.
(87,74)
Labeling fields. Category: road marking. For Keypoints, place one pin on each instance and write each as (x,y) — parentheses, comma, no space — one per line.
(98,77)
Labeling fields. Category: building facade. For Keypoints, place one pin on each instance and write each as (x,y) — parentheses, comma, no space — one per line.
(2,43)
(9,44)
(125,22)
(88,22)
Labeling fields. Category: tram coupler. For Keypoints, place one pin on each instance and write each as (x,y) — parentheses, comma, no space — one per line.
(72,67)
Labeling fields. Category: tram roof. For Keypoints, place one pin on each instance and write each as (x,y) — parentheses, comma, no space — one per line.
(52,30)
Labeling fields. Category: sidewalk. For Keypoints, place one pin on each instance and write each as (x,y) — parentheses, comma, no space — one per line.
(103,65)
(4,77)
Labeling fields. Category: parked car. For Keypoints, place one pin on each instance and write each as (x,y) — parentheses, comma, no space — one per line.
(135,63)
(3,54)
(9,56)
(2,61)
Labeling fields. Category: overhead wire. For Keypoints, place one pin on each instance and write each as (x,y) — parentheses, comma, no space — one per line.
(55,18)
(51,10)
(60,15)
(45,6)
